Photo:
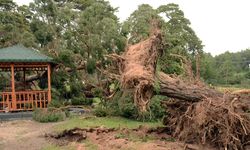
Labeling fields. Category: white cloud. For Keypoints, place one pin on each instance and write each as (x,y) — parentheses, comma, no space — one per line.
(221,24)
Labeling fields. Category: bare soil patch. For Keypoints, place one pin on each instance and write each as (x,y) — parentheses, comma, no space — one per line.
(23,135)
(112,139)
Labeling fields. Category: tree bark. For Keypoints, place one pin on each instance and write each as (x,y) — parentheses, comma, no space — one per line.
(175,88)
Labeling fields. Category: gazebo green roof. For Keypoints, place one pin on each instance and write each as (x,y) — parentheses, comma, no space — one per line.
(19,53)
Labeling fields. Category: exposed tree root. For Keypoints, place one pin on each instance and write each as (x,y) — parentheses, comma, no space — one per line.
(196,113)
(219,122)
(137,67)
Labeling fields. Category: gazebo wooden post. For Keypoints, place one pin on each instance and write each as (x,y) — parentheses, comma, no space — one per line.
(24,77)
(49,83)
(13,93)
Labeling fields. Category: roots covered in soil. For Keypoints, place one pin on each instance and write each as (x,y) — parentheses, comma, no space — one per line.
(218,122)
(137,67)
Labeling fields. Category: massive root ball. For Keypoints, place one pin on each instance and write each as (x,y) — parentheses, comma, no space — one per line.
(138,69)
(196,113)
(221,122)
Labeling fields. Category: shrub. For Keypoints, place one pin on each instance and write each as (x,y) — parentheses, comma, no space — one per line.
(123,105)
(91,66)
(76,88)
(101,111)
(97,92)
(247,75)
(55,93)
(144,116)
(55,103)
(81,101)
(46,115)
(157,111)
(127,109)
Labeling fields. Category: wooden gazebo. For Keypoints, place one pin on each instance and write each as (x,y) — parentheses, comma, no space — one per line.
(19,59)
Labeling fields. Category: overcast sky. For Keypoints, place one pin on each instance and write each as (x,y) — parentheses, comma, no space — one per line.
(222,25)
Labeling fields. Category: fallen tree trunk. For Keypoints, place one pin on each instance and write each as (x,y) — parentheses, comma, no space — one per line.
(176,88)
(195,113)
(36,76)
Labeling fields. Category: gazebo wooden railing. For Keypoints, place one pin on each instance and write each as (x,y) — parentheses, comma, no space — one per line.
(25,100)
(18,97)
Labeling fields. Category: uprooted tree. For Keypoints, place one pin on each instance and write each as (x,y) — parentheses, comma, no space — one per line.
(196,113)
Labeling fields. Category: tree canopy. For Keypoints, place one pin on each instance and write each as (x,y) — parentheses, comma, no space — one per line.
(82,32)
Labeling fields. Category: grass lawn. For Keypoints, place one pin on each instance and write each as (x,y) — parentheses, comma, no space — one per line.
(108,122)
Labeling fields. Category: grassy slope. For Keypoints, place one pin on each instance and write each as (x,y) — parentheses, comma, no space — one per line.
(109,122)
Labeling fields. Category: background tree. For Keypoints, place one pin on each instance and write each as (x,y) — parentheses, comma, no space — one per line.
(14,27)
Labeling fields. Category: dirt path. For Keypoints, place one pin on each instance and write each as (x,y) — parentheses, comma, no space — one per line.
(23,135)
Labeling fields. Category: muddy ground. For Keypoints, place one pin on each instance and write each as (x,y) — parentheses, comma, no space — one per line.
(30,135)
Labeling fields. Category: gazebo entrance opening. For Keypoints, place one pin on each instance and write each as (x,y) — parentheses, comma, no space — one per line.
(18,91)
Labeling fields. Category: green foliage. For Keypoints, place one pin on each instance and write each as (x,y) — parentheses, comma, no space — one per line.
(67,85)
(76,88)
(128,109)
(46,115)
(157,86)
(58,79)
(178,36)
(155,112)
(108,122)
(81,101)
(138,24)
(97,92)
(56,103)
(101,111)
(227,68)
(247,75)
(123,105)
(42,32)
(14,27)
(207,70)
(65,57)
(82,32)
(91,66)
(73,32)
(173,66)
